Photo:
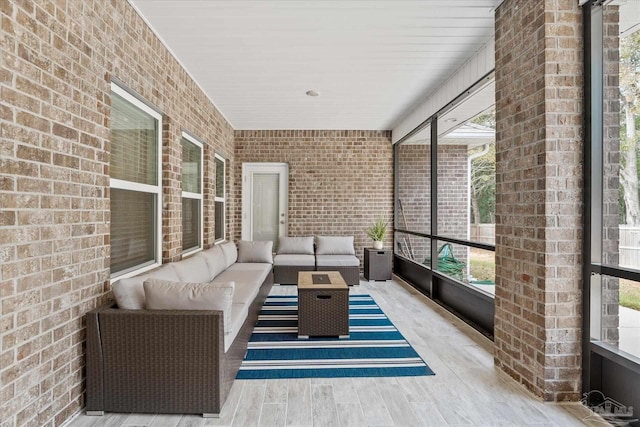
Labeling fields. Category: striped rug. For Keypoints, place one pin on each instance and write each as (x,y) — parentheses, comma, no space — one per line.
(375,348)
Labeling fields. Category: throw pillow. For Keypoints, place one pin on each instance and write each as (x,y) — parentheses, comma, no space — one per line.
(129,292)
(215,260)
(193,269)
(230,253)
(255,251)
(295,245)
(166,295)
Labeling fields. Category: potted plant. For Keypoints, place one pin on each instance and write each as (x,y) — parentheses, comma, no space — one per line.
(376,232)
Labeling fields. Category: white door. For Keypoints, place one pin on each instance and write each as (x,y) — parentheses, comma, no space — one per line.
(264,201)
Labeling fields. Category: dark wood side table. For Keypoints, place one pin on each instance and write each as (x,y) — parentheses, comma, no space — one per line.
(377,264)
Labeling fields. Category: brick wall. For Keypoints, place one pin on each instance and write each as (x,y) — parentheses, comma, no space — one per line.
(414,189)
(340,182)
(414,193)
(539,195)
(57,62)
(453,194)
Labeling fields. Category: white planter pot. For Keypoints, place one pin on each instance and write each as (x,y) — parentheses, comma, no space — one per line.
(377,244)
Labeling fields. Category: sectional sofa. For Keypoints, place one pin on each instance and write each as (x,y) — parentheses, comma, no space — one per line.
(175,338)
(330,253)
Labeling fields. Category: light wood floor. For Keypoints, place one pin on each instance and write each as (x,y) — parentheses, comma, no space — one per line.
(466,390)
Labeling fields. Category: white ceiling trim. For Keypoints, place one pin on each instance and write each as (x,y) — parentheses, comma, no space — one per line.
(482,63)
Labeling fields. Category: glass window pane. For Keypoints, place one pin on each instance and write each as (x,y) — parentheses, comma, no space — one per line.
(467,178)
(265,195)
(476,267)
(134,143)
(621,135)
(133,229)
(191,167)
(219,218)
(482,270)
(220,166)
(414,185)
(190,224)
(617,313)
(414,248)
(629,316)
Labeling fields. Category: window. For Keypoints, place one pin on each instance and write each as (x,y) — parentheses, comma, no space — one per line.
(220,204)
(191,194)
(614,174)
(136,187)
(467,195)
(445,192)
(611,292)
(465,168)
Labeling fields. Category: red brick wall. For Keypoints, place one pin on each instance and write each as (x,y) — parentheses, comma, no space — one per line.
(539,195)
(57,62)
(340,182)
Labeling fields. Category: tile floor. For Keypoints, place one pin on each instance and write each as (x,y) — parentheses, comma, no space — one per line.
(466,390)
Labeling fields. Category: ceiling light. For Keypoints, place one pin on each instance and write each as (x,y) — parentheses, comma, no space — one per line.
(313,93)
(450,120)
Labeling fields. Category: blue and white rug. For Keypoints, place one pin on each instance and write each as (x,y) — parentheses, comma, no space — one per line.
(375,348)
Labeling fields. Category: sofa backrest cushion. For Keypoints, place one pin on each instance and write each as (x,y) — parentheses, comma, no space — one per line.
(168,295)
(261,251)
(193,269)
(334,245)
(230,253)
(129,292)
(295,245)
(215,260)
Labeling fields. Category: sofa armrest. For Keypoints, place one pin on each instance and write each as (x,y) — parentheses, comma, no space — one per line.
(154,360)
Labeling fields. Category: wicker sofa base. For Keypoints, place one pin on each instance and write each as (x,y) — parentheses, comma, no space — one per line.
(351,275)
(159,361)
(288,274)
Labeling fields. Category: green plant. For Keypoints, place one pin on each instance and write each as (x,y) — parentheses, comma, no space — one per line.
(377,230)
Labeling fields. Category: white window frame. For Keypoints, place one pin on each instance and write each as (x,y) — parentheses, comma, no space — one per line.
(143,188)
(222,199)
(197,196)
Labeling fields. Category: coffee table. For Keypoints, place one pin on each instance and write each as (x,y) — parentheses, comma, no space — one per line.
(323,304)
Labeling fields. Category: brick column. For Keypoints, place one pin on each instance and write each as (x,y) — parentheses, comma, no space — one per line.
(171,191)
(539,195)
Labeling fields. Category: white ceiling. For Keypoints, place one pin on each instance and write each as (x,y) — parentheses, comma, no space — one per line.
(371,60)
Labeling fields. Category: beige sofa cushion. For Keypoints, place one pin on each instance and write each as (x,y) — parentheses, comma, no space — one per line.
(230,253)
(248,279)
(215,260)
(193,269)
(295,260)
(167,295)
(129,292)
(295,245)
(255,251)
(337,261)
(334,245)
